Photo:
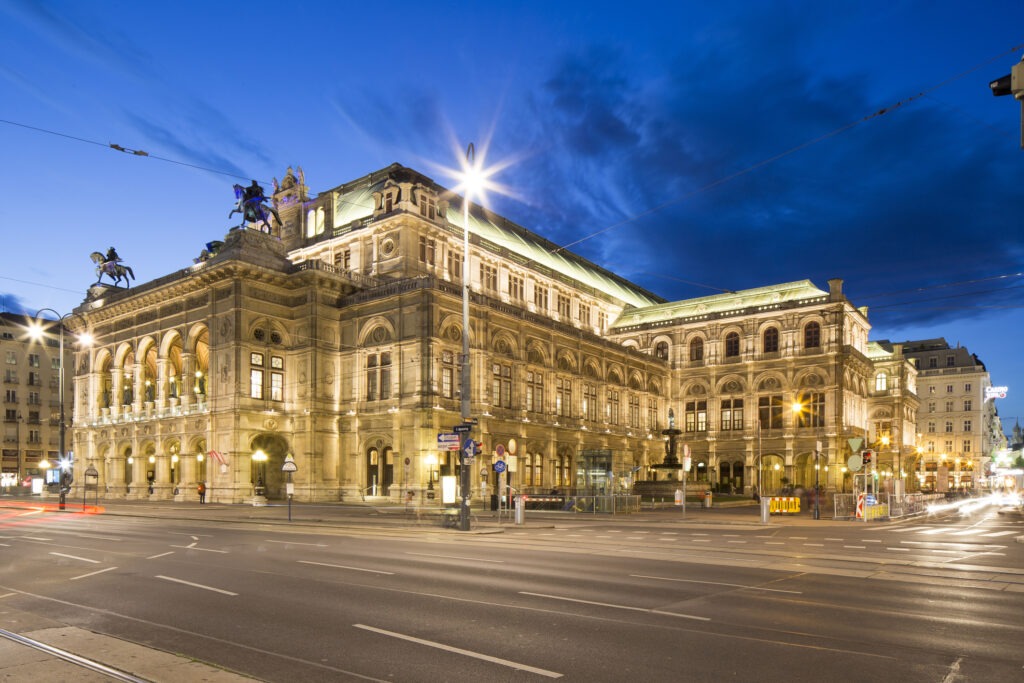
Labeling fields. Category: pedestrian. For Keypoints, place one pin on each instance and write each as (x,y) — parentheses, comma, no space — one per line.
(202,492)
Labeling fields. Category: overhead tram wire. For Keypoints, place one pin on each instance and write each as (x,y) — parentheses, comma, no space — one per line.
(792,150)
(135,152)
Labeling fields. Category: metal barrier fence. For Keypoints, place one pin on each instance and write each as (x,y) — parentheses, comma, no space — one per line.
(897,506)
(614,505)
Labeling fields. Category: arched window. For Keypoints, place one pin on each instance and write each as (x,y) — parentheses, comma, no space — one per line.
(732,345)
(812,336)
(771,340)
(661,350)
(697,349)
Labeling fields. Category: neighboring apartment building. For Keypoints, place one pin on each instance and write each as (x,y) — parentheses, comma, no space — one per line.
(959,430)
(337,340)
(31,426)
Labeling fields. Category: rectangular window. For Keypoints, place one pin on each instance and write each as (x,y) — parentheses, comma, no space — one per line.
(931,406)
(428,250)
(33,398)
(447,374)
(564,307)
(589,402)
(563,397)
(812,414)
(535,391)
(12,358)
(516,288)
(276,386)
(11,396)
(950,361)
(428,209)
(949,388)
(933,362)
(372,377)
(634,411)
(967,405)
(652,413)
(949,426)
(967,425)
(488,277)
(584,314)
(967,446)
(732,413)
(696,418)
(949,406)
(540,297)
(602,321)
(455,264)
(33,360)
(967,388)
(255,383)
(501,385)
(343,260)
(612,409)
(769,412)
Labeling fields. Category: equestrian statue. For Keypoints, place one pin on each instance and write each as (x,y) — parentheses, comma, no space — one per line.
(110,265)
(250,203)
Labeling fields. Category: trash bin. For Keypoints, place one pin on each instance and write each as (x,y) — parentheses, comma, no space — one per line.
(520,509)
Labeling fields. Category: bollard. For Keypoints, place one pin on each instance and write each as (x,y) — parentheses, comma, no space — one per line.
(765,514)
(520,509)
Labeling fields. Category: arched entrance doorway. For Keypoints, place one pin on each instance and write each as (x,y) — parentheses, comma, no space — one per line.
(268,471)
(380,470)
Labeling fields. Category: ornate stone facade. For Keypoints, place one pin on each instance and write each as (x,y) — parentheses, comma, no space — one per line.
(337,340)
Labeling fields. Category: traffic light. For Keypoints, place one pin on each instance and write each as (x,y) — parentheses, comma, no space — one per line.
(476,448)
(1010,84)
(866,457)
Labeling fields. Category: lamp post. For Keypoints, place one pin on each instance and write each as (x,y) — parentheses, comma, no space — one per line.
(36,332)
(260,458)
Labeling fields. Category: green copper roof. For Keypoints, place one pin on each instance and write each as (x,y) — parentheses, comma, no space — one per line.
(354,201)
(762,297)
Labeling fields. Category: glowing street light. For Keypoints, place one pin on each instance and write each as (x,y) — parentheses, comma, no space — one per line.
(36,331)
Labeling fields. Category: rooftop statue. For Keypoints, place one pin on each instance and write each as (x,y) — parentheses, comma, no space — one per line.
(110,265)
(251,204)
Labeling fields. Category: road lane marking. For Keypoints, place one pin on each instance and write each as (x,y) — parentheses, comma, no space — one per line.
(774,543)
(459,651)
(833,539)
(85,576)
(999,533)
(870,540)
(192,547)
(315,545)
(816,545)
(342,566)
(855,547)
(36,538)
(195,585)
(75,557)
(7,595)
(798,538)
(614,606)
(700,540)
(457,557)
(900,550)
(715,583)
(153,557)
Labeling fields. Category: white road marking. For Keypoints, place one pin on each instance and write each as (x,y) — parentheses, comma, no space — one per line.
(460,651)
(1000,533)
(196,585)
(614,606)
(100,571)
(855,547)
(36,538)
(315,545)
(774,543)
(833,539)
(715,583)
(75,557)
(342,566)
(900,550)
(816,545)
(207,550)
(457,557)
(7,595)
(153,557)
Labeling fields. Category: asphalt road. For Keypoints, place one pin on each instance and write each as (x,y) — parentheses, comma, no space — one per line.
(593,599)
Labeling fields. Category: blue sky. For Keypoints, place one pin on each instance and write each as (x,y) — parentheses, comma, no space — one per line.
(691,147)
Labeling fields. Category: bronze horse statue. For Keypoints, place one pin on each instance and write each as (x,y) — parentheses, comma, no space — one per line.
(112,269)
(250,204)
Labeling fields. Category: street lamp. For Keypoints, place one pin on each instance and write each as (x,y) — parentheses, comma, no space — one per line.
(36,332)
(260,458)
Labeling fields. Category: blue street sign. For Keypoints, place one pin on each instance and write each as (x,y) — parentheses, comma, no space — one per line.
(500,466)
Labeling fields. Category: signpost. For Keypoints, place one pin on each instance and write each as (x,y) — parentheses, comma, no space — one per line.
(289,467)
